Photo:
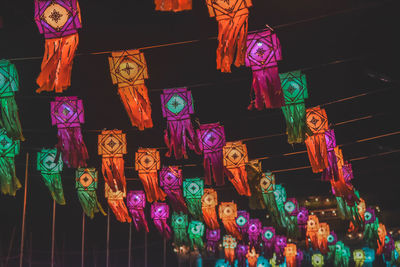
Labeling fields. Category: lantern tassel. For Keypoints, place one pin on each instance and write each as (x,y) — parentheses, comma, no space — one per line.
(312,237)
(241,251)
(196,241)
(210,218)
(317,152)
(231,228)
(194,207)
(332,171)
(268,249)
(238,177)
(163,228)
(150,185)
(9,119)
(139,219)
(89,203)
(119,209)
(113,172)
(296,127)
(213,166)
(72,147)
(230,255)
(8,179)
(176,200)
(53,183)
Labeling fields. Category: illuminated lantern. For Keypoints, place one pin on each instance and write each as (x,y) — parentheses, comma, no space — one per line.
(147,162)
(312,231)
(177,106)
(369,256)
(222,263)
(9,84)
(371,225)
(332,239)
(342,255)
(280,199)
(196,232)
(160,214)
(8,150)
(112,147)
(229,243)
(317,122)
(228,215)
(292,206)
(294,87)
(345,193)
(59,21)
(292,209)
(232,20)
(209,201)
(254,176)
(235,159)
(359,257)
(242,222)
(86,186)
(381,238)
(263,54)
(290,255)
(332,171)
(317,260)
(193,190)
(357,221)
(116,202)
(128,70)
(280,244)
(254,230)
(241,253)
(136,202)
(212,237)
(212,141)
(50,165)
(179,224)
(299,257)
(323,233)
(302,218)
(67,113)
(267,184)
(268,237)
(171,182)
(252,257)
(173,5)
(347,172)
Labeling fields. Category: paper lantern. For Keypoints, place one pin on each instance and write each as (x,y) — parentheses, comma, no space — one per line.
(302,218)
(312,231)
(252,257)
(86,186)
(228,214)
(193,190)
(357,221)
(254,176)
(332,239)
(209,201)
(229,243)
(317,260)
(291,207)
(212,141)
(381,238)
(147,162)
(173,5)
(116,202)
(242,223)
(280,244)
(241,253)
(179,222)
(359,257)
(50,166)
(177,106)
(171,182)
(128,70)
(342,255)
(254,230)
(317,122)
(347,172)
(280,199)
(332,171)
(268,237)
(262,55)
(160,214)
(213,237)
(322,236)
(294,87)
(369,256)
(59,21)
(67,113)
(8,150)
(371,228)
(290,255)
(196,232)
(136,202)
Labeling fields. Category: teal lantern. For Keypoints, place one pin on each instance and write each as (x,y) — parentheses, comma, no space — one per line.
(179,224)
(196,232)
(8,150)
(193,190)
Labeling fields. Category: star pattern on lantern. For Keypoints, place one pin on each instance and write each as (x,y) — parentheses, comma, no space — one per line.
(294,87)
(193,188)
(128,68)
(176,104)
(263,50)
(317,120)
(147,160)
(112,143)
(47,161)
(86,179)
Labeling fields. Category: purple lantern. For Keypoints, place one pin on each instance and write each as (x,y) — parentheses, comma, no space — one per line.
(242,222)
(136,202)
(254,230)
(241,252)
(212,237)
(268,237)
(299,257)
(347,172)
(160,214)
(332,172)
(171,182)
(369,215)
(302,219)
(280,244)
(291,206)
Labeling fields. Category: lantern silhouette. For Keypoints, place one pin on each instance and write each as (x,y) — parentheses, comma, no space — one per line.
(136,202)
(254,176)
(128,70)
(179,222)
(322,236)
(312,231)
(332,171)
(160,214)
(252,257)
(171,182)
(268,237)
(290,255)
(229,243)
(228,214)
(193,190)
(8,150)
(58,21)
(173,5)
(317,260)
(213,237)
(254,230)
(359,257)
(242,223)
(196,232)
(116,202)
(280,244)
(209,201)
(241,253)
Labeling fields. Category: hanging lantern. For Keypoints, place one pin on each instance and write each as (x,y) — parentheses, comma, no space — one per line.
(280,199)
(241,253)
(173,5)
(179,224)
(59,21)
(196,232)
(317,260)
(332,171)
(209,201)
(312,231)
(112,146)
(116,202)
(267,184)
(160,214)
(347,172)
(280,244)
(229,243)
(359,257)
(171,182)
(294,87)
(50,165)
(212,141)
(302,219)
(263,54)
(291,207)
(235,159)
(67,113)
(397,248)
(290,255)
(128,70)
(193,190)
(268,237)
(213,237)
(228,215)
(381,238)
(86,186)
(358,221)
(252,257)
(254,175)
(254,230)
(342,255)
(136,202)
(369,256)
(317,122)
(147,162)
(242,223)
(177,106)
(332,240)
(322,236)
(371,228)
(299,257)
(8,150)
(9,84)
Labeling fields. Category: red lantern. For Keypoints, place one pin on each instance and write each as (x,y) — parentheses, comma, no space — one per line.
(116,202)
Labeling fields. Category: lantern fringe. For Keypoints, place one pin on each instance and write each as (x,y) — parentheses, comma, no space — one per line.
(312,236)
(54,184)
(56,66)
(381,239)
(231,228)
(296,126)
(332,171)
(150,185)
(290,260)
(345,191)
(211,247)
(8,179)
(252,260)
(213,167)
(163,228)
(113,172)
(232,35)
(89,203)
(196,242)
(9,119)
(176,200)
(72,147)
(317,152)
(137,105)
(268,248)
(180,236)
(210,218)
(229,255)
(371,234)
(292,230)
(139,219)
(238,177)
(241,251)
(256,198)
(119,209)
(173,5)
(194,207)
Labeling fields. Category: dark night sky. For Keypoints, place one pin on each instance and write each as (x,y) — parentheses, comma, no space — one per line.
(366,33)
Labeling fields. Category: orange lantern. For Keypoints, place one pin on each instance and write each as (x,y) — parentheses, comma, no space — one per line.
(312,231)
(323,233)
(290,254)
(381,238)
(209,201)
(252,257)
(229,243)
(228,214)
(173,5)
(116,202)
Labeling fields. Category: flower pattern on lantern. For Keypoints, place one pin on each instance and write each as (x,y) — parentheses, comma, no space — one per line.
(171,182)
(254,230)
(242,222)
(116,202)
(209,201)
(213,237)
(147,162)
(229,243)
(317,260)
(254,176)
(136,202)
(128,70)
(67,113)
(196,232)
(193,190)
(59,21)
(179,222)
(268,237)
(359,257)
(252,257)
(322,236)
(235,159)
(160,214)
(312,231)
(173,5)
(290,254)
(332,171)
(228,214)
(8,150)
(262,55)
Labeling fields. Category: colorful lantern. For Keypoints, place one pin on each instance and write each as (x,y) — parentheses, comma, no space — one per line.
(280,244)
(9,84)
(290,255)
(302,219)
(136,202)
(235,159)
(371,228)
(173,5)
(322,236)
(228,215)
(212,141)
(332,239)
(160,214)
(317,260)
(8,150)
(369,256)
(359,257)
(262,262)
(177,106)
(291,207)
(209,201)
(50,165)
(268,237)
(381,238)
(241,253)
(193,190)
(252,257)
(229,243)
(342,255)
(128,70)
(263,54)
(280,199)
(179,224)
(317,122)
(59,21)
(254,175)
(312,231)
(116,202)
(67,113)
(212,237)
(299,257)
(347,172)
(196,232)
(147,162)
(389,254)
(332,171)
(242,223)
(171,182)
(254,230)
(267,184)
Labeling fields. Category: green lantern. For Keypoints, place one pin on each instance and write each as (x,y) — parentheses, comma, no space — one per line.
(196,232)
(179,223)
(359,257)
(342,255)
(50,166)
(8,150)
(317,260)
(280,199)
(193,190)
